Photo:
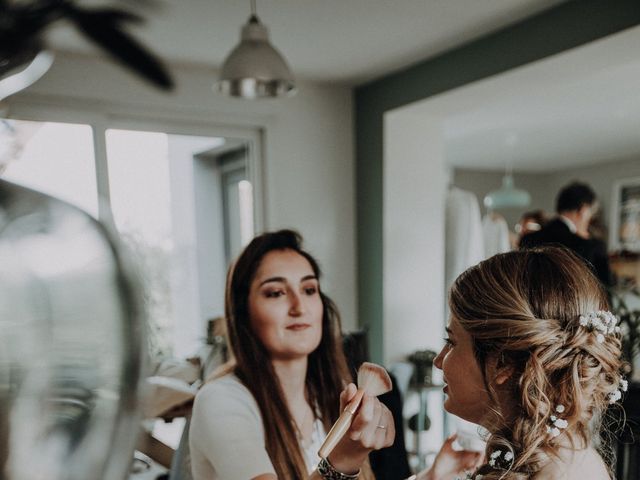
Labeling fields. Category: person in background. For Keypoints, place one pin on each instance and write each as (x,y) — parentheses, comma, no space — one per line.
(575,205)
(265,416)
(533,356)
(531,221)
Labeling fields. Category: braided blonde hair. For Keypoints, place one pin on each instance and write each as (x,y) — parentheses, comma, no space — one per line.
(522,309)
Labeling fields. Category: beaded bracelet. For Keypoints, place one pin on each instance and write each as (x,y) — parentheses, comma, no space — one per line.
(328,472)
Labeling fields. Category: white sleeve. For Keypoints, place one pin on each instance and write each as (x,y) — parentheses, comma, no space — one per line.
(227,432)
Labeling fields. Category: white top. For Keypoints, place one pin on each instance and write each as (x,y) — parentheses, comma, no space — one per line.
(496,234)
(227,439)
(464,243)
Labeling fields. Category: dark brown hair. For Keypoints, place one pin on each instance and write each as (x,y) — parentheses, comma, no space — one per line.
(574,196)
(522,309)
(327,372)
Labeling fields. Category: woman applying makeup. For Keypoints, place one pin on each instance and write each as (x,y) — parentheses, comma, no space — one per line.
(266,415)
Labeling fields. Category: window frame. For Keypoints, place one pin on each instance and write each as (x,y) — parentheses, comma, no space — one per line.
(161,121)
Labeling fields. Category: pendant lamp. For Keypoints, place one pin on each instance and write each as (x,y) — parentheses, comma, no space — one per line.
(255,69)
(507,196)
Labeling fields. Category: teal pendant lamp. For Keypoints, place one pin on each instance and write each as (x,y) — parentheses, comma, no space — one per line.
(508,196)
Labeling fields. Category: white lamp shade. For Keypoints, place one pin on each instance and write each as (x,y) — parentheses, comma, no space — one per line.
(255,69)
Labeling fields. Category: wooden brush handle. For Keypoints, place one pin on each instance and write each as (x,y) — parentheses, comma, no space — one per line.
(336,433)
(341,426)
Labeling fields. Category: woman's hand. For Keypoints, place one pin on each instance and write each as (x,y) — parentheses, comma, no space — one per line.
(450,463)
(372,429)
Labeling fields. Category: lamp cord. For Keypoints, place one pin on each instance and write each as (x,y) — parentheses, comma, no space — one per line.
(253,8)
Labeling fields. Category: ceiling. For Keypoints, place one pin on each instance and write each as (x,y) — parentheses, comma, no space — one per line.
(338,41)
(577,108)
(580,107)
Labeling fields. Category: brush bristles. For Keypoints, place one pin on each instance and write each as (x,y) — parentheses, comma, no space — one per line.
(373,379)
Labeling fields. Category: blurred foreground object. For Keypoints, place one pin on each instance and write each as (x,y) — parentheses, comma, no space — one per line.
(71,344)
(23,55)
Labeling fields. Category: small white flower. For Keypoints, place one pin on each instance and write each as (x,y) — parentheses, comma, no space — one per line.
(601,323)
(559,409)
(555,432)
(615,396)
(479,477)
(560,423)
(496,454)
(624,384)
(492,462)
(508,456)
(553,418)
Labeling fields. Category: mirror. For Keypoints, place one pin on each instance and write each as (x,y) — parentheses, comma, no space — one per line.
(571,117)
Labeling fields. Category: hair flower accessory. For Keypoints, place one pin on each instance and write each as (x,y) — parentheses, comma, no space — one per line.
(468,476)
(498,459)
(617,394)
(601,323)
(557,423)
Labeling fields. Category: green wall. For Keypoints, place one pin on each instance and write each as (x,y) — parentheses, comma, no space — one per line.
(553,31)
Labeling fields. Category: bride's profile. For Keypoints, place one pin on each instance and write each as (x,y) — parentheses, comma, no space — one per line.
(533,356)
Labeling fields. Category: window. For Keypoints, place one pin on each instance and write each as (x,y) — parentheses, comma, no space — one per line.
(182,205)
(54,158)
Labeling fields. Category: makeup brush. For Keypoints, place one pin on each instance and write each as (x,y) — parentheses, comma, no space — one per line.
(373,380)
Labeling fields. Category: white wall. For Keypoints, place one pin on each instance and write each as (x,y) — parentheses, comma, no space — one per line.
(413,235)
(191,270)
(308,177)
(413,249)
(212,265)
